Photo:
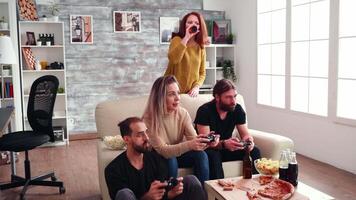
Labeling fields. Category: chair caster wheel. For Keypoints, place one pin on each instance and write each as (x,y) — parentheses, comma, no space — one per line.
(62,190)
(53,178)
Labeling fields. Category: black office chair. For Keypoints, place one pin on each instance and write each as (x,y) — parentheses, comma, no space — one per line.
(39,112)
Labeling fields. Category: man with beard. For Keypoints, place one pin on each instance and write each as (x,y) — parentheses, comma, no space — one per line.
(139,173)
(222,115)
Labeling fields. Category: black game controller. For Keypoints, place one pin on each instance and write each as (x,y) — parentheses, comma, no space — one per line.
(246,143)
(171,183)
(193,29)
(211,138)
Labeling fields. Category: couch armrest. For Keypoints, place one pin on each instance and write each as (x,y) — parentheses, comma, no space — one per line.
(271,144)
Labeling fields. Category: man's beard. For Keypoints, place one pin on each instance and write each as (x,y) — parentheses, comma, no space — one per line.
(142,149)
(226,107)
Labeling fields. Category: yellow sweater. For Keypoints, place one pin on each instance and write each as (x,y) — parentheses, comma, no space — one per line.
(187,64)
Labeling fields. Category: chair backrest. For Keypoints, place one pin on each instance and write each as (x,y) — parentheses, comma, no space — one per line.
(41,104)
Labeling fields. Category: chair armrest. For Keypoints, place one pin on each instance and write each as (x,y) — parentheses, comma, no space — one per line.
(271,144)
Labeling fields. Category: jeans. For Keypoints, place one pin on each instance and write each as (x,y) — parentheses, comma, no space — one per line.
(216,157)
(192,189)
(196,159)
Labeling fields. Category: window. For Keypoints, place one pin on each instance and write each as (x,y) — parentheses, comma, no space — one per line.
(346,79)
(271,52)
(306,24)
(309,56)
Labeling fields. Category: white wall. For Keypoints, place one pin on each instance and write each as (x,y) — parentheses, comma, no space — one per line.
(316,137)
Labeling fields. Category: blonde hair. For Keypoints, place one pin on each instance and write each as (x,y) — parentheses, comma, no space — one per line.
(156,105)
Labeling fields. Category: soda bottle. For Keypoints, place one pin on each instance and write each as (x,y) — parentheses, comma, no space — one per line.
(247,164)
(283,166)
(293,169)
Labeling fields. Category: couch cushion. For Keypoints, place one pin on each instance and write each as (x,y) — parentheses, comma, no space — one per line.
(109,113)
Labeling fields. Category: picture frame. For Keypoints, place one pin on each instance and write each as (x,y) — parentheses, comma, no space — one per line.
(221,29)
(27,10)
(167,25)
(81,29)
(31,38)
(127,21)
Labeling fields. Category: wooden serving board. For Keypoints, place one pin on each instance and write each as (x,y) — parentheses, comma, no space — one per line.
(242,185)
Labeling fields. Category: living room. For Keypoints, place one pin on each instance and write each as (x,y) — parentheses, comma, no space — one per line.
(304,104)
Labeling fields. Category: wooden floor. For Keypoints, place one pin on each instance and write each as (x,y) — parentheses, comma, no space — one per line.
(76,165)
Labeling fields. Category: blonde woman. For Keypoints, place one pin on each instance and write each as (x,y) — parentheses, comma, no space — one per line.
(171,131)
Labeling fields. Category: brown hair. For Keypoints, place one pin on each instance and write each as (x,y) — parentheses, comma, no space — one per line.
(156,105)
(222,86)
(125,125)
(202,37)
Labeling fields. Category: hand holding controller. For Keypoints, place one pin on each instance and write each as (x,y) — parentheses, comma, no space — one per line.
(211,138)
(171,183)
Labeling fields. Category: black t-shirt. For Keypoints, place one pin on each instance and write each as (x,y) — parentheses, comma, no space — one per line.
(120,174)
(207,115)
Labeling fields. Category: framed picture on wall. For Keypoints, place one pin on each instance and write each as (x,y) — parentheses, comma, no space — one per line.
(27,10)
(127,21)
(81,29)
(221,29)
(167,25)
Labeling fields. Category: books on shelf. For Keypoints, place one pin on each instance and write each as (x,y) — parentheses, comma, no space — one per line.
(7,90)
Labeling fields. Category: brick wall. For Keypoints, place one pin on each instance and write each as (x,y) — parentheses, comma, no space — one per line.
(117,65)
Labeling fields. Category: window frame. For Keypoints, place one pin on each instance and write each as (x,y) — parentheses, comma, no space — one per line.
(332,68)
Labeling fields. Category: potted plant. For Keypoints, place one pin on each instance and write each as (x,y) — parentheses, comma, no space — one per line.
(54,10)
(228,70)
(230,38)
(3,24)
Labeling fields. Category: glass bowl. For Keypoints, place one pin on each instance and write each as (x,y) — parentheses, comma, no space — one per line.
(266,166)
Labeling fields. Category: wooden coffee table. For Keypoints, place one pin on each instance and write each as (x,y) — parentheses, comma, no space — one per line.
(303,191)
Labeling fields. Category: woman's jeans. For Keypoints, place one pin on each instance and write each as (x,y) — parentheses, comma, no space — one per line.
(198,160)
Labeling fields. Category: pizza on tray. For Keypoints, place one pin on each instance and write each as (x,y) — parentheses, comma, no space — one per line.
(273,188)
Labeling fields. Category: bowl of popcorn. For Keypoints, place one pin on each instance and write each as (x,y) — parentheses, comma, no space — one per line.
(266,166)
(114,142)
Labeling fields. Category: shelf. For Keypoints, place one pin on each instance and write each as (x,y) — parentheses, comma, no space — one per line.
(53,117)
(40,22)
(217,68)
(59,117)
(58,94)
(44,46)
(8,99)
(7,76)
(43,71)
(220,45)
(4,30)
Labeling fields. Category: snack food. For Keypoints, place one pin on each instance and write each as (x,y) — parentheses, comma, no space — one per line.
(263,180)
(277,190)
(267,166)
(227,185)
(114,142)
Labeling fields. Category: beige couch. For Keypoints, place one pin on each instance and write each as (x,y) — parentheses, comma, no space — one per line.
(109,113)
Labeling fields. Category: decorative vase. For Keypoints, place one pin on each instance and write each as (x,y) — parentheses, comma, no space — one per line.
(54,18)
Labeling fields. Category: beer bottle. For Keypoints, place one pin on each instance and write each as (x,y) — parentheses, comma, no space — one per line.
(293,169)
(283,166)
(247,164)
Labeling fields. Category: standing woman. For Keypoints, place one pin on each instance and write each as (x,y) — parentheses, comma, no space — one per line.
(187,54)
(171,132)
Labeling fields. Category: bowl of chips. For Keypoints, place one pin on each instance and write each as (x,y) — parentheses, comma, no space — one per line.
(114,142)
(267,166)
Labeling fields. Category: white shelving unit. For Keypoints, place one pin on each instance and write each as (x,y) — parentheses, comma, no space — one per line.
(214,52)
(10,73)
(50,54)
